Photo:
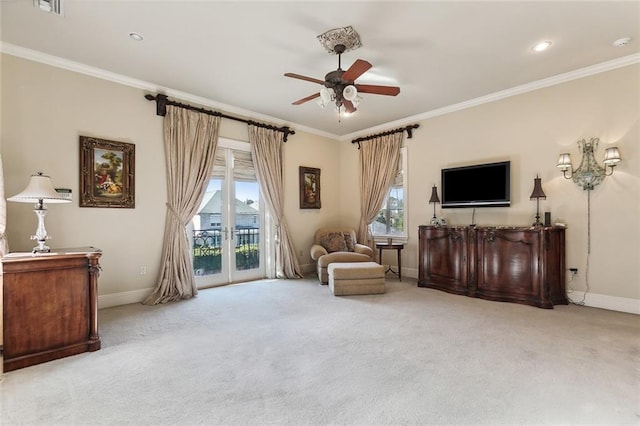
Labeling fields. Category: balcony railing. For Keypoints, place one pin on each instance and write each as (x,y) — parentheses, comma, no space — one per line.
(207,249)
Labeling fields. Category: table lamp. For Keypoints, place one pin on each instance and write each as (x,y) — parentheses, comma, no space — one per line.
(537,194)
(40,191)
(435,200)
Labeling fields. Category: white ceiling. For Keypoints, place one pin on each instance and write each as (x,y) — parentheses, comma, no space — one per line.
(232,55)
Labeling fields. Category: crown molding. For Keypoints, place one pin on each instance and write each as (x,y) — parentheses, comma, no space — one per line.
(78,67)
(91,71)
(514,91)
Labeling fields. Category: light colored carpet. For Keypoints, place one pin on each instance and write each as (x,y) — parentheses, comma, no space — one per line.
(289,352)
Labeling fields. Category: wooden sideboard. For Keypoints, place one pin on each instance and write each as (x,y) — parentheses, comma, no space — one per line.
(49,307)
(508,264)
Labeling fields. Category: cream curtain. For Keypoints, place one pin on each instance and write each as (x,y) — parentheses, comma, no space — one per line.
(190,140)
(4,245)
(379,159)
(266,149)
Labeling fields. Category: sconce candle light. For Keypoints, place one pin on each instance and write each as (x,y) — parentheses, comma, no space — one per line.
(434,199)
(589,173)
(39,191)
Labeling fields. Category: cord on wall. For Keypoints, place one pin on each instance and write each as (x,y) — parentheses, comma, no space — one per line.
(586,271)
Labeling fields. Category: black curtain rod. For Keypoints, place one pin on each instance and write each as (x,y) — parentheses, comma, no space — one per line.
(161,109)
(408,129)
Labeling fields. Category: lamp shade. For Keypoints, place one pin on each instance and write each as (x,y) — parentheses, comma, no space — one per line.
(39,189)
(611,156)
(537,193)
(434,195)
(564,161)
(326,94)
(350,92)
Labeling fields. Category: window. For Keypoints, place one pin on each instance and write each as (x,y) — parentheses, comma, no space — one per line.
(391,219)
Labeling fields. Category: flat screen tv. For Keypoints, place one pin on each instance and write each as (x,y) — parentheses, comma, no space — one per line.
(480,185)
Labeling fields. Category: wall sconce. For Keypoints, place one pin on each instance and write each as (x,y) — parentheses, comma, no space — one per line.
(434,199)
(537,194)
(589,173)
(39,191)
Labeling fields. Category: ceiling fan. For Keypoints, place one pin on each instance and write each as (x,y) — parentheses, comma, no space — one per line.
(339,86)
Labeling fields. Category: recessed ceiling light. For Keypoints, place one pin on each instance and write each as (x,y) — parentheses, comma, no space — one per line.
(542,46)
(136,36)
(621,42)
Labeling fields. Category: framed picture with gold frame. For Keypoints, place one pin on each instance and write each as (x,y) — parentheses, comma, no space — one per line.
(309,188)
(107,173)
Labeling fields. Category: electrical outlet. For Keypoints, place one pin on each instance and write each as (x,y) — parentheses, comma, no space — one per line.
(143,270)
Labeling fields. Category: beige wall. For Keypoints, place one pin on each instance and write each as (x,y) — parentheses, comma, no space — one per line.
(531,130)
(45,109)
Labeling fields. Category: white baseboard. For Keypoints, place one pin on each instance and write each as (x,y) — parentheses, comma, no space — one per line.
(612,303)
(124,298)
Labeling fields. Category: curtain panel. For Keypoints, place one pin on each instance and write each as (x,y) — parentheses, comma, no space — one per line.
(266,150)
(190,140)
(379,159)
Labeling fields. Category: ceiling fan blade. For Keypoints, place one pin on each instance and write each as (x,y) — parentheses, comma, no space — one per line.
(302,77)
(358,68)
(378,90)
(348,106)
(307,99)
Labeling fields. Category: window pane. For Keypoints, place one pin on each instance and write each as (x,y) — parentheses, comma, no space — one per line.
(247,227)
(390,219)
(207,231)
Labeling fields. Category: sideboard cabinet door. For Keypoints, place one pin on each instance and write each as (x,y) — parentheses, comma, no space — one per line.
(509,265)
(443,259)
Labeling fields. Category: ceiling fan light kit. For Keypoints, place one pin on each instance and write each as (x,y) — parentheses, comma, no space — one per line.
(339,86)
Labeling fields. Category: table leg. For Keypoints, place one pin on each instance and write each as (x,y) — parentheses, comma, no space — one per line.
(399,265)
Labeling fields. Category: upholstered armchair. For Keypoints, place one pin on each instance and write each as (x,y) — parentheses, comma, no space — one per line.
(332,245)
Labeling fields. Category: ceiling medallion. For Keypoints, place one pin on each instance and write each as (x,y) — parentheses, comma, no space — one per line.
(347,36)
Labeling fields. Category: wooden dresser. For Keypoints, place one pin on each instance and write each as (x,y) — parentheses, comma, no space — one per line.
(509,264)
(49,306)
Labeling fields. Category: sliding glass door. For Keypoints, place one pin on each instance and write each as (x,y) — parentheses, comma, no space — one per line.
(227,233)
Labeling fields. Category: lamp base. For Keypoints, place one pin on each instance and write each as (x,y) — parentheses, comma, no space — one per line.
(42,247)
(41,233)
(537,223)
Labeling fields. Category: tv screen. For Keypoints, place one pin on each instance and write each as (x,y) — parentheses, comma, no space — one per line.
(480,185)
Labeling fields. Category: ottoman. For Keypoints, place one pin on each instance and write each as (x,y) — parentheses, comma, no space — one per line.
(347,279)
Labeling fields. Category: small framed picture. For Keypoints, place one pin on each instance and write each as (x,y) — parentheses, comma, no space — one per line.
(107,170)
(309,188)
